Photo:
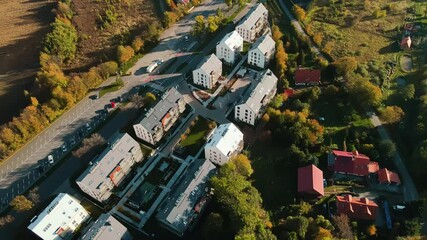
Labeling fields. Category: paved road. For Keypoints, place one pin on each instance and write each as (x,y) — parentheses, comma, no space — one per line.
(300,29)
(410,192)
(20,171)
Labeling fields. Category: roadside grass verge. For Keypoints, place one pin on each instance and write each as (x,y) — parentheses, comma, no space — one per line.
(110,88)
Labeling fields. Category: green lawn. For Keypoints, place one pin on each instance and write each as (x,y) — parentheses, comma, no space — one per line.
(110,88)
(195,139)
(234,15)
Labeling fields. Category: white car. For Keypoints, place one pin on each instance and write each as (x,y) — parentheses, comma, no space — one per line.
(50,159)
(88,127)
(64,148)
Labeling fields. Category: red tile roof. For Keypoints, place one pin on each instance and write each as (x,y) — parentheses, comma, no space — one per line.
(387,176)
(310,180)
(356,208)
(353,163)
(305,76)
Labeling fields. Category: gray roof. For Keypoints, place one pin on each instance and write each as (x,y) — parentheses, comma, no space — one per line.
(209,64)
(154,116)
(253,15)
(259,89)
(265,44)
(107,227)
(120,148)
(178,209)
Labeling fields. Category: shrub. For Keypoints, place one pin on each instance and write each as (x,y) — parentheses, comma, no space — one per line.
(61,41)
(124,54)
(380,13)
(21,203)
(137,44)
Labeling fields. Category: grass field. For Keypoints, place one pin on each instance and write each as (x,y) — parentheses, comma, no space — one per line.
(195,139)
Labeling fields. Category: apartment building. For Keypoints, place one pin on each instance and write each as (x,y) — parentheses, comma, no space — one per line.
(229,47)
(225,142)
(109,168)
(253,24)
(160,118)
(106,227)
(207,72)
(254,102)
(262,51)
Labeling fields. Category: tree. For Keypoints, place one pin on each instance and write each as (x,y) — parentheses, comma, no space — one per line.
(345,65)
(213,227)
(150,98)
(265,117)
(276,33)
(124,54)
(21,204)
(343,226)
(364,91)
(379,13)
(277,101)
(6,220)
(323,234)
(407,92)
(297,224)
(138,100)
(199,27)
(212,23)
(318,38)
(412,227)
(33,195)
(170,18)
(89,144)
(371,230)
(387,148)
(281,59)
(299,12)
(62,41)
(107,69)
(229,3)
(391,114)
(137,44)
(243,165)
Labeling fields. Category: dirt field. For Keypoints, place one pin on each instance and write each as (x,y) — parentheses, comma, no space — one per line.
(23,24)
(96,44)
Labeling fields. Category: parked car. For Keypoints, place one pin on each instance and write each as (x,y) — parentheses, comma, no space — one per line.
(88,127)
(72,142)
(50,159)
(186,38)
(64,148)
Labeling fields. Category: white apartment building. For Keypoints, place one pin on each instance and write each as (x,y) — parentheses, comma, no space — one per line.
(208,71)
(262,51)
(110,167)
(253,104)
(160,118)
(106,227)
(229,47)
(224,143)
(60,219)
(253,24)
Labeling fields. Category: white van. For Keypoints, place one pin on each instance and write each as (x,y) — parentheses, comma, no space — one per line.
(152,66)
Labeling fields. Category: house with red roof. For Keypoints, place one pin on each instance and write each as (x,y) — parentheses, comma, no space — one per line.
(307,77)
(351,163)
(387,177)
(356,208)
(406,43)
(310,181)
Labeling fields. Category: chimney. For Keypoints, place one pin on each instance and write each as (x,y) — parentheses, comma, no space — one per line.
(355,152)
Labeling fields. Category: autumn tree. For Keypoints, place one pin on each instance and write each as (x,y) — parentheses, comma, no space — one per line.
(229,3)
(107,69)
(343,228)
(33,195)
(365,92)
(124,54)
(137,44)
(318,38)
(243,165)
(21,204)
(371,230)
(5,220)
(199,27)
(345,65)
(150,98)
(170,18)
(88,144)
(299,12)
(276,33)
(281,59)
(391,114)
(138,100)
(212,24)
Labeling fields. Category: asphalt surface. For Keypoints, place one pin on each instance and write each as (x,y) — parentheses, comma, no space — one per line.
(72,125)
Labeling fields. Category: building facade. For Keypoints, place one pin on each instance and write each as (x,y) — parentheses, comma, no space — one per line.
(262,51)
(229,47)
(160,118)
(110,167)
(225,142)
(106,227)
(351,163)
(254,103)
(207,72)
(254,23)
(60,219)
